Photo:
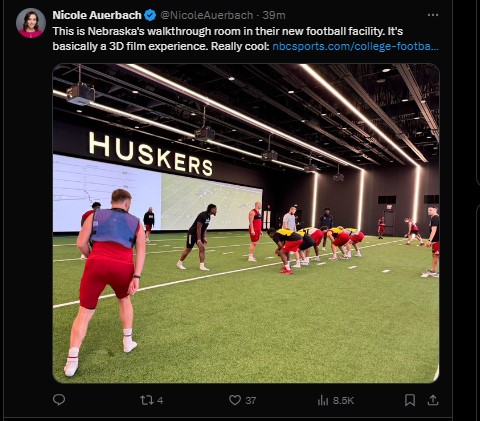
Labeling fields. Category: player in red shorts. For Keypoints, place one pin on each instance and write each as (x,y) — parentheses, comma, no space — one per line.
(355,238)
(381,227)
(111,261)
(317,235)
(254,228)
(338,238)
(433,241)
(287,241)
(413,232)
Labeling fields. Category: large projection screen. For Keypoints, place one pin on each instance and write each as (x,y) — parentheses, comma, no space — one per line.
(176,200)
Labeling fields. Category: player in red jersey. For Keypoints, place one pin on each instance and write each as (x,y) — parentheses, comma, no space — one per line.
(95,206)
(317,234)
(381,227)
(355,238)
(412,232)
(338,238)
(254,228)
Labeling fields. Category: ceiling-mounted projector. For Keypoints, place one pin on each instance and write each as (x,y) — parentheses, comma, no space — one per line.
(338,177)
(205,133)
(80,94)
(269,155)
(310,168)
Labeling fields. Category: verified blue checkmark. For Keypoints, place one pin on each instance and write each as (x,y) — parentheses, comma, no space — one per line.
(150,15)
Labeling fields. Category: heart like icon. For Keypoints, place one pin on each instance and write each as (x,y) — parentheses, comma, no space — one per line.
(234,399)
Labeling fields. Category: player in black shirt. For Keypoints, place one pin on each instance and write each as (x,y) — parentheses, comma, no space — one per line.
(197,235)
(149,222)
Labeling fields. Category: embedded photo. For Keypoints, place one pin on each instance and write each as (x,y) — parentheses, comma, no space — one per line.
(245,223)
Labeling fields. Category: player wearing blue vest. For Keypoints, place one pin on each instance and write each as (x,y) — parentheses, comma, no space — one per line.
(114,233)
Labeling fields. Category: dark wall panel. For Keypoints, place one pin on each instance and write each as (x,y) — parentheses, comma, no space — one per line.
(283,187)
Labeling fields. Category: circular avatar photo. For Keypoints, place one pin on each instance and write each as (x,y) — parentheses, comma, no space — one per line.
(31,23)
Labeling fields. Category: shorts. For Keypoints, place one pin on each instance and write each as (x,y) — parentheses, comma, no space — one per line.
(436,248)
(291,246)
(307,242)
(192,240)
(255,237)
(341,239)
(317,236)
(358,237)
(98,274)
(148,228)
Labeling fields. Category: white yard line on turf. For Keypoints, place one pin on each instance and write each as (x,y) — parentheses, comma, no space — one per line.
(188,279)
(177,282)
(234,245)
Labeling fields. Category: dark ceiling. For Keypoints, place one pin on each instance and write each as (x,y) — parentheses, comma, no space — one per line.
(402,102)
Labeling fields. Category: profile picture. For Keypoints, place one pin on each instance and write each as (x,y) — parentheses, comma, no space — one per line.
(31,23)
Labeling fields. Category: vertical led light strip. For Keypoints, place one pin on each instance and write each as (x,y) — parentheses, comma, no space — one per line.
(417,192)
(353,109)
(360,200)
(314,195)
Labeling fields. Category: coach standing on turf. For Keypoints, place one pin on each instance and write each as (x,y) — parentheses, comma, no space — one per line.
(433,241)
(326,220)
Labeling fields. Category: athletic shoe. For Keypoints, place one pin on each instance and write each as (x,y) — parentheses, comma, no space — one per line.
(304,263)
(298,265)
(344,257)
(252,259)
(286,271)
(127,348)
(422,243)
(407,244)
(71,367)
(323,248)
(180,265)
(203,268)
(429,273)
(358,255)
(334,259)
(317,258)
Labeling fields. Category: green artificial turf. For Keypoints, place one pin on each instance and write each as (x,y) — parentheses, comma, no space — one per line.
(364,320)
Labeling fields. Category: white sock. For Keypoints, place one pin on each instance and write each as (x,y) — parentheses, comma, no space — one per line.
(73,352)
(202,265)
(128,343)
(72,362)
(127,336)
